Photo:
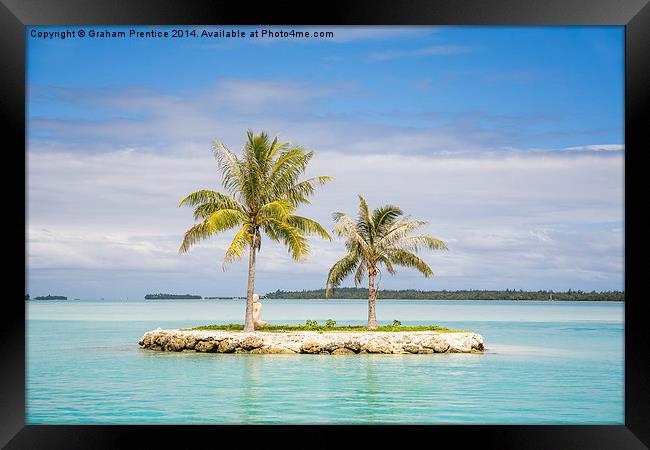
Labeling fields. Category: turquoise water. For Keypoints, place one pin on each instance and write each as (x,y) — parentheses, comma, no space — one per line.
(545,362)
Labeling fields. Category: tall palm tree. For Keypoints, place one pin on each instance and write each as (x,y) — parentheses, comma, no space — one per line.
(378,239)
(263,192)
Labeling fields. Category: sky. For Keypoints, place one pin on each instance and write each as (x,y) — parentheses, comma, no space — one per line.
(508,141)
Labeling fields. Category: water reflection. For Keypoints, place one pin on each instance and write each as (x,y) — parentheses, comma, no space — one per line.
(252,383)
(371,388)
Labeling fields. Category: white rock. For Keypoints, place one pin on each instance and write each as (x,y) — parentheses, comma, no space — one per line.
(400,342)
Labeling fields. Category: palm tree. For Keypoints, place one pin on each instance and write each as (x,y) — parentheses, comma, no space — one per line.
(382,238)
(263,193)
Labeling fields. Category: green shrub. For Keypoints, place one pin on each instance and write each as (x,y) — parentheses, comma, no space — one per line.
(397,323)
(312,325)
(330,323)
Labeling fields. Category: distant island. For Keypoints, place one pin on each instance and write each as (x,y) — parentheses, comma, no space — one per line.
(224,298)
(49,297)
(412,294)
(172,297)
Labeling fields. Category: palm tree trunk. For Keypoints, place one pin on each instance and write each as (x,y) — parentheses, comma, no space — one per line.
(372,297)
(249,325)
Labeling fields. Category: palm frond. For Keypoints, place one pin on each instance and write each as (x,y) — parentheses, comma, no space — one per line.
(405,258)
(220,220)
(277,209)
(384,217)
(347,228)
(276,146)
(415,243)
(291,162)
(340,270)
(225,219)
(230,167)
(259,146)
(398,231)
(197,233)
(271,231)
(253,169)
(360,272)
(238,245)
(208,202)
(308,226)
(387,263)
(364,221)
(297,193)
(294,240)
(209,196)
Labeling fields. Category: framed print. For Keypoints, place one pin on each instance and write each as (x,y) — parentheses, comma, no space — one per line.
(390,220)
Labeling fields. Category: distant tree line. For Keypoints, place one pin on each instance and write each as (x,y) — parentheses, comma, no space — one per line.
(413,294)
(171,296)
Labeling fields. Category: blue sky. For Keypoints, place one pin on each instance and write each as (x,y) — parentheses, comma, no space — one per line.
(508,140)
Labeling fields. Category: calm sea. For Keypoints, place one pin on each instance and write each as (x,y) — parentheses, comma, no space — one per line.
(545,363)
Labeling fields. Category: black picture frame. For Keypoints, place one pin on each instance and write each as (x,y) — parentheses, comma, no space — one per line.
(15,15)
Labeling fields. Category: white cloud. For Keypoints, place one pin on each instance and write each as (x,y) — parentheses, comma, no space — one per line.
(529,221)
(135,117)
(186,122)
(434,50)
(259,96)
(598,148)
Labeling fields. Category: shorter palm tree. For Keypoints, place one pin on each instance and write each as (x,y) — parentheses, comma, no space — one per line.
(382,238)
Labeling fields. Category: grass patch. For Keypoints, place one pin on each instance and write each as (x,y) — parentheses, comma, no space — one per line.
(321,328)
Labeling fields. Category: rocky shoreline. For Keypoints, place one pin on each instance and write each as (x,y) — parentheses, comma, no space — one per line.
(312,342)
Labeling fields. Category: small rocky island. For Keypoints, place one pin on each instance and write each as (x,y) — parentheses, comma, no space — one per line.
(49,297)
(172,297)
(314,342)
